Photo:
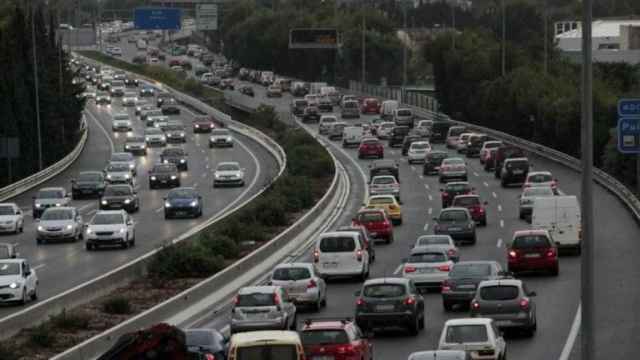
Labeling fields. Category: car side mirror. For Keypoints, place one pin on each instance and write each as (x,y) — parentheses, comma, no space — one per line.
(486,203)
(129,222)
(19,212)
(532,293)
(357,293)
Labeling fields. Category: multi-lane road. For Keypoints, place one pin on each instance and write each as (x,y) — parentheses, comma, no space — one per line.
(62,266)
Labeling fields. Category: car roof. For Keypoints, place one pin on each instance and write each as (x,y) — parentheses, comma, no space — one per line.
(531,173)
(458,183)
(498,282)
(262,337)
(13,261)
(228,163)
(61,208)
(381,197)
(337,233)
(319,324)
(257,289)
(110,212)
(294,265)
(467,196)
(530,232)
(387,280)
(383,176)
(468,321)
(51,189)
(439,355)
(517,159)
(419,142)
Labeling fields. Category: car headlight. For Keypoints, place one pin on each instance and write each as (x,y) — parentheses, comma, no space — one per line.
(126,176)
(40,228)
(148,138)
(108,176)
(163,138)
(38,205)
(153,178)
(165,161)
(127,201)
(14,285)
(104,202)
(229,138)
(131,166)
(126,146)
(69,227)
(58,204)
(197,126)
(216,175)
(181,134)
(167,204)
(182,161)
(173,177)
(123,230)
(194,203)
(89,231)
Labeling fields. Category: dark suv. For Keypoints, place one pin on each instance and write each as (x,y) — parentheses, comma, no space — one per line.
(164,175)
(334,339)
(432,162)
(502,153)
(514,170)
(464,277)
(475,144)
(439,131)
(176,156)
(384,167)
(397,135)
(311,113)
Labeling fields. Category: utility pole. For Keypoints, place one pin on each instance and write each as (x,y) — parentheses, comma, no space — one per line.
(504,38)
(546,38)
(363,78)
(36,85)
(587,260)
(404,48)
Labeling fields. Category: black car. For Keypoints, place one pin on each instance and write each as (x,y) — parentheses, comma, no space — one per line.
(147,91)
(247,90)
(439,131)
(311,113)
(175,133)
(176,156)
(116,197)
(166,175)
(206,342)
(88,183)
(384,167)
(514,170)
(388,302)
(475,144)
(325,104)
(453,189)
(464,277)
(408,140)
(297,106)
(161,98)
(503,153)
(182,202)
(432,162)
(130,82)
(170,106)
(397,135)
(456,222)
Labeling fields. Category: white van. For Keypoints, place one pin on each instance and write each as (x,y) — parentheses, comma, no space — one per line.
(452,136)
(560,216)
(331,93)
(387,109)
(252,345)
(141,45)
(352,136)
(341,253)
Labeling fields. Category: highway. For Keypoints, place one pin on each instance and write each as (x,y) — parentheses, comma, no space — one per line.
(62,266)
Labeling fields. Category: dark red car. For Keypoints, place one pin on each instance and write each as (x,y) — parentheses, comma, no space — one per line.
(533,250)
(175,62)
(370,147)
(203,124)
(377,223)
(370,106)
(474,205)
(334,339)
(453,189)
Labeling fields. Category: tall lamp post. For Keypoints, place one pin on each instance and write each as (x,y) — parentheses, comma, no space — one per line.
(504,38)
(36,84)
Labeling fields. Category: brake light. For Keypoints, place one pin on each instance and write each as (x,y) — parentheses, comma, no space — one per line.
(446,286)
(451,252)
(513,254)
(524,304)
(276,299)
(409,301)
(359,255)
(409,269)
(312,284)
(445,194)
(209,357)
(475,305)
(443,268)
(360,302)
(316,256)
(551,253)
(236,300)
(346,349)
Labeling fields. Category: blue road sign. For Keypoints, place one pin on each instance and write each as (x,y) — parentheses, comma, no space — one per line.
(629,107)
(157,18)
(629,135)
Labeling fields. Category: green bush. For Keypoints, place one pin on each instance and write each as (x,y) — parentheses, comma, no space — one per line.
(296,191)
(220,244)
(42,335)
(70,320)
(118,305)
(6,353)
(270,210)
(184,261)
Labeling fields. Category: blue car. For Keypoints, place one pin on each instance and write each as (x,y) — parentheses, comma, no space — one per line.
(182,202)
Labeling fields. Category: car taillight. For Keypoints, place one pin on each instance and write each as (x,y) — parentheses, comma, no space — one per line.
(551,253)
(276,299)
(360,302)
(409,301)
(209,357)
(513,254)
(346,349)
(446,286)
(443,267)
(316,256)
(312,284)
(524,304)
(475,305)
(480,210)
(392,207)
(445,194)
(487,352)
(409,269)
(359,255)
(236,300)
(451,252)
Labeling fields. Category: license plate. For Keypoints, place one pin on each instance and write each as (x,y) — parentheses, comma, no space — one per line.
(163,181)
(86,191)
(503,322)
(298,290)
(322,358)
(330,265)
(427,270)
(532,255)
(467,286)
(373,234)
(385,307)
(455,229)
(518,172)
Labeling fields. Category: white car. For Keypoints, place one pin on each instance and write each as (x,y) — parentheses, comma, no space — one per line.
(119,173)
(125,157)
(461,145)
(352,135)
(486,148)
(49,197)
(155,137)
(453,135)
(129,99)
(220,138)
(116,51)
(121,122)
(541,178)
(59,223)
(157,121)
(529,196)
(11,218)
(384,185)
(423,128)
(341,253)
(325,123)
(228,173)
(428,266)
(302,284)
(110,227)
(384,129)
(478,337)
(443,241)
(18,281)
(418,151)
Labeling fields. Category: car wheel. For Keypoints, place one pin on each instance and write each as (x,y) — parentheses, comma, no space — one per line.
(521,215)
(23,300)
(34,294)
(125,244)
(294,323)
(323,302)
(503,183)
(132,242)
(414,327)
(555,271)
(22,227)
(423,320)
(448,305)
(483,222)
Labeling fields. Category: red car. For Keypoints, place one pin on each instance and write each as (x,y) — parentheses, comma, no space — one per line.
(175,62)
(203,124)
(370,106)
(370,147)
(474,205)
(453,189)
(334,339)
(377,223)
(533,250)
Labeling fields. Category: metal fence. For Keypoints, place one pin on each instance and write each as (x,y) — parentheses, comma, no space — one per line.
(395,93)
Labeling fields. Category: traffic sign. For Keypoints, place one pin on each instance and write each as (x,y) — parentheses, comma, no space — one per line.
(629,107)
(629,135)
(206,17)
(157,18)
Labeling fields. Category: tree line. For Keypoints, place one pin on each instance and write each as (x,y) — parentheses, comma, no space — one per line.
(60,104)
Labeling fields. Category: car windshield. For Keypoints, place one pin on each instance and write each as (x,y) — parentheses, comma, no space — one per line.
(328,119)
(470,270)
(499,293)
(153,131)
(267,352)
(337,244)
(461,334)
(201,119)
(437,155)
(57,214)
(466,201)
(121,157)
(90,177)
(324,337)
(420,146)
(538,178)
(370,142)
(120,117)
(301,103)
(9,268)
(383,180)
(537,191)
(118,191)
(4,252)
(339,127)
(404,112)
(491,145)
(135,139)
(299,273)
(427,257)
(458,187)
(530,242)
(164,169)
(107,219)
(118,167)
(351,104)
(174,127)
(381,200)
(453,216)
(370,216)
(228,167)
(256,299)
(433,240)
(50,194)
(7,210)
(384,290)
(173,152)
(220,132)
(182,194)
(129,94)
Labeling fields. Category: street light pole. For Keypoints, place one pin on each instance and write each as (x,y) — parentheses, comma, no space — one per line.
(404,48)
(363,77)
(504,39)
(453,26)
(546,38)
(587,260)
(36,85)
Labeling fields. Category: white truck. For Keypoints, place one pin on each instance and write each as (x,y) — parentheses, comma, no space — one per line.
(352,136)
(560,216)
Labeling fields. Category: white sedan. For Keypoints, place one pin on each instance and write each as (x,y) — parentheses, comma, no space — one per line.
(110,227)
(18,281)
(11,218)
(228,173)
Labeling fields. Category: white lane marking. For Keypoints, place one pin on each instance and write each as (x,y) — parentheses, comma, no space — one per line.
(421,176)
(413,168)
(501,223)
(499,207)
(397,270)
(15,244)
(430,197)
(92,212)
(204,175)
(195,184)
(38,266)
(393,152)
(495,196)
(486,184)
(104,131)
(159,209)
(85,206)
(426,227)
(475,174)
(499,244)
(426,186)
(430,211)
(573,334)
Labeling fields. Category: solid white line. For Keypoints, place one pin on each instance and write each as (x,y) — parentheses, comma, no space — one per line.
(573,334)
(430,197)
(475,174)
(430,211)
(499,244)
(393,152)
(397,270)
(426,227)
(104,131)
(499,207)
(421,176)
(15,244)
(486,184)
(495,196)
(501,223)
(92,212)
(159,209)
(413,168)
(426,186)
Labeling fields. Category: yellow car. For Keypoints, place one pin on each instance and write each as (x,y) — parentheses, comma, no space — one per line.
(389,204)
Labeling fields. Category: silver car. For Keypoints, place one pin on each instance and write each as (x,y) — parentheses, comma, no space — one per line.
(440,355)
(220,138)
(49,197)
(119,173)
(110,227)
(452,168)
(129,99)
(121,122)
(262,308)
(155,137)
(384,185)
(427,266)
(125,157)
(528,197)
(350,109)
(302,284)
(325,123)
(228,173)
(443,241)
(59,223)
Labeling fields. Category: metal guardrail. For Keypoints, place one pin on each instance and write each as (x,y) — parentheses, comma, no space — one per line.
(38,178)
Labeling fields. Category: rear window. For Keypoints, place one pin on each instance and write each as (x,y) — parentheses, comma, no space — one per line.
(470,270)
(267,352)
(420,146)
(538,191)
(433,240)
(530,241)
(466,334)
(370,217)
(404,112)
(384,290)
(456,131)
(458,187)
(492,145)
(370,142)
(466,201)
(324,337)
(454,215)
(537,178)
(384,180)
(499,293)
(517,164)
(337,244)
(291,274)
(430,257)
(256,299)
(381,200)
(437,155)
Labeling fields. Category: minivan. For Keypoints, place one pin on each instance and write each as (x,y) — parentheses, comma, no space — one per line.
(342,253)
(352,136)
(403,117)
(453,134)
(387,109)
(266,345)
